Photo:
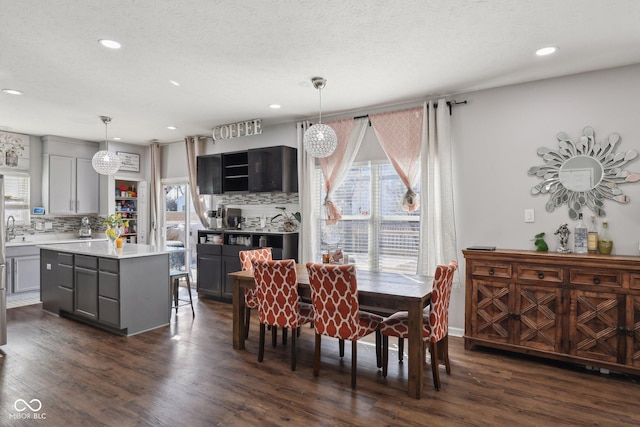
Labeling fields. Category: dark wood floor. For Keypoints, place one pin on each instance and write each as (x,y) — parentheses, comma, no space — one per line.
(189,374)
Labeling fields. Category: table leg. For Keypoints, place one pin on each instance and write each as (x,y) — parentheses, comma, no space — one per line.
(238,316)
(416,350)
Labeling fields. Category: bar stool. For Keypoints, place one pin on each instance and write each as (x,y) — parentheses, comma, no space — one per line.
(175,276)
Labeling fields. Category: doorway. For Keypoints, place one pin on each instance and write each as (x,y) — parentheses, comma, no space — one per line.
(181,225)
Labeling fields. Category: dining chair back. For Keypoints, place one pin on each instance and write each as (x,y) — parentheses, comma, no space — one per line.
(250,294)
(278,300)
(337,314)
(435,326)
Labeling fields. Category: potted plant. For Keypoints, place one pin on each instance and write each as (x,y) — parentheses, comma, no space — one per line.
(289,223)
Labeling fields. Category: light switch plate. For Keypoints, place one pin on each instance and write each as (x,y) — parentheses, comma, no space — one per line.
(529,215)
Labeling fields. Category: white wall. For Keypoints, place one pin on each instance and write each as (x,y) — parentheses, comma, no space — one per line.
(495,138)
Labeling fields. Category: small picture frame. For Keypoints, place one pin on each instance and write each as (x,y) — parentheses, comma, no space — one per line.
(129,161)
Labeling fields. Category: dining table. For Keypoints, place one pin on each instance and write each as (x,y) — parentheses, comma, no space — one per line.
(377,291)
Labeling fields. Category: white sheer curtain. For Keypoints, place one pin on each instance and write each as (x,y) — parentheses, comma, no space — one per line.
(437,223)
(307,247)
(195,146)
(350,133)
(155,234)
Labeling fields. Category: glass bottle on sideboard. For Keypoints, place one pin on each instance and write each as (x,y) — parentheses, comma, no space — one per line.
(605,244)
(592,237)
(580,236)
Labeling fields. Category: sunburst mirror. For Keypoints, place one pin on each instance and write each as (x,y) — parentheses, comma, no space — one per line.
(583,173)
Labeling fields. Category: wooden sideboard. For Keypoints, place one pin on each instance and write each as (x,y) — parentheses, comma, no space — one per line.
(583,309)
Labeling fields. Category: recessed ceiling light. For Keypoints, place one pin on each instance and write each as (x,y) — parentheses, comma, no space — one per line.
(274,106)
(173,82)
(546,51)
(172,127)
(12,91)
(116,138)
(111,44)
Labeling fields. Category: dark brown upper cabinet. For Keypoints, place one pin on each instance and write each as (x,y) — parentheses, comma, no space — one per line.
(273,169)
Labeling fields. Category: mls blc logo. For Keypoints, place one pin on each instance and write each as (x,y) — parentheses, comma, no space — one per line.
(22,406)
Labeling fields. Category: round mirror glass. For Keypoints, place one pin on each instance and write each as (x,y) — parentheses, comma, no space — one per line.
(580,173)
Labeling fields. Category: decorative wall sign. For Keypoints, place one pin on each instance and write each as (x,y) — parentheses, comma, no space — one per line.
(129,161)
(236,130)
(583,173)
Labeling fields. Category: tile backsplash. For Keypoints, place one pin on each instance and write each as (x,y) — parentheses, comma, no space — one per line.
(255,205)
(60,224)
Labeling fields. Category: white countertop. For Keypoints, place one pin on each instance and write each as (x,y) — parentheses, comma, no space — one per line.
(106,250)
(267,230)
(46,238)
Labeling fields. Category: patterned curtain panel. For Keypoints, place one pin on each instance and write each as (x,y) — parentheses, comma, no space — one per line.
(400,135)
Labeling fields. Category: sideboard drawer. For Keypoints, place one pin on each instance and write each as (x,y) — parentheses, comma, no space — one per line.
(609,278)
(634,281)
(545,273)
(491,269)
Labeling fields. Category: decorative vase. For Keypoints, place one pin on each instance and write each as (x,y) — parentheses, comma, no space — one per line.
(11,158)
(289,225)
(112,234)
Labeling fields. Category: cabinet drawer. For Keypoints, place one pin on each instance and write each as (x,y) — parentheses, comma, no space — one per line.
(543,273)
(634,281)
(109,311)
(491,269)
(84,261)
(209,249)
(108,285)
(597,277)
(65,276)
(65,259)
(110,265)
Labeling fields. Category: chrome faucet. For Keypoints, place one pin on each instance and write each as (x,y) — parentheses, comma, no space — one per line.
(11,230)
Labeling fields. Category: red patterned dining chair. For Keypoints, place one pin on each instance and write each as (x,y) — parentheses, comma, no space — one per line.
(278,300)
(251,295)
(337,314)
(435,330)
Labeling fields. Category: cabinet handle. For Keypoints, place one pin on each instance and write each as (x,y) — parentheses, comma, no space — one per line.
(540,275)
(70,205)
(629,332)
(596,280)
(491,271)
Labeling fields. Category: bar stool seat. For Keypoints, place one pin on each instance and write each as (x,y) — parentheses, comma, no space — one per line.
(175,276)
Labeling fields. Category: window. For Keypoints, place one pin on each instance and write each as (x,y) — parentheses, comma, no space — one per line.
(374,231)
(16,198)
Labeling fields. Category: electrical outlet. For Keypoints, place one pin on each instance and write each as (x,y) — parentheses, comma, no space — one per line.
(39,226)
(529,215)
(48,225)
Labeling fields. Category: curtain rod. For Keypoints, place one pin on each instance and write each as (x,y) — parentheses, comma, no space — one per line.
(449,104)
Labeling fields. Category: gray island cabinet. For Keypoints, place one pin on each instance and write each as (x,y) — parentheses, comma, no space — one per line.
(125,291)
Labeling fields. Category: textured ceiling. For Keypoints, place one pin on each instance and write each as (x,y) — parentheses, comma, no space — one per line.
(234,58)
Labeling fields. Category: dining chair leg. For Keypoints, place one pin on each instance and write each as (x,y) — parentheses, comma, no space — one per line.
(247,321)
(293,350)
(284,336)
(400,349)
(261,343)
(385,354)
(274,336)
(445,352)
(354,362)
(341,347)
(298,329)
(316,356)
(433,349)
(175,293)
(378,349)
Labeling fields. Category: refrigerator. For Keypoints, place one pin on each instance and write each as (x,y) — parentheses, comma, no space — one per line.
(3,267)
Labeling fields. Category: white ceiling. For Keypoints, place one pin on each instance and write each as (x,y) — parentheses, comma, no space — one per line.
(234,58)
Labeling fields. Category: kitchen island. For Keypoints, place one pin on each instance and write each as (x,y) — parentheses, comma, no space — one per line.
(125,290)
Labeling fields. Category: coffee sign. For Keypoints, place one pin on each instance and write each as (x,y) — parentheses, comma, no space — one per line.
(236,130)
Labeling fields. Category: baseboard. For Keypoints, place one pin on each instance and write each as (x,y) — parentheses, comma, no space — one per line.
(456,332)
